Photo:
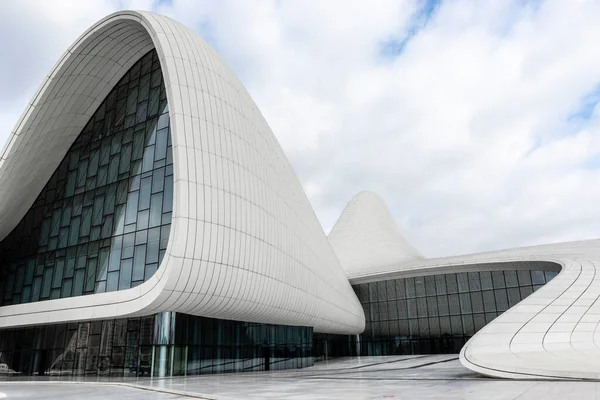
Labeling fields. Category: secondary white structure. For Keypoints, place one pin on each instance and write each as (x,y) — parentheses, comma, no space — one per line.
(552,333)
(245,243)
(366,237)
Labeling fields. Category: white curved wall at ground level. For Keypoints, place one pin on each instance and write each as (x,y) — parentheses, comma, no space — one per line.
(553,333)
(245,243)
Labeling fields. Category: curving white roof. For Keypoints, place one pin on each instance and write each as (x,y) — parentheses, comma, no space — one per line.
(366,238)
(245,243)
(553,333)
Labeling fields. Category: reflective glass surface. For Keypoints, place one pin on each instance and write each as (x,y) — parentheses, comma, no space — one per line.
(438,314)
(102,221)
(153,346)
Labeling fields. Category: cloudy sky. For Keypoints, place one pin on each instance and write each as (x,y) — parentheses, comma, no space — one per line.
(476,121)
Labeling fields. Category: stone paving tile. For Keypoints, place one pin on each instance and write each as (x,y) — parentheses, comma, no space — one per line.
(365,378)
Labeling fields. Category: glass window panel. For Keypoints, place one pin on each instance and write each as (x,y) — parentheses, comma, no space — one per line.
(524,278)
(362,292)
(400,289)
(432,306)
(422,307)
(78,282)
(511,279)
(440,284)
(372,290)
(463,282)
(67,287)
(443,305)
(474,281)
(486,280)
(90,277)
(479,321)
(412,308)
(514,296)
(468,326)
(383,311)
(125,275)
(430,285)
(47,282)
(489,317)
(525,291)
(456,325)
(139,262)
(420,286)
(402,309)
(148,159)
(144,197)
(153,102)
(380,286)
(501,300)
(413,326)
(410,287)
(131,208)
(550,275)
(150,270)
(112,282)
(161,144)
(451,283)
(498,279)
(168,196)
(58,274)
(477,302)
(390,289)
(434,327)
(392,309)
(445,327)
(423,326)
(489,303)
(375,312)
(538,278)
(453,304)
(465,303)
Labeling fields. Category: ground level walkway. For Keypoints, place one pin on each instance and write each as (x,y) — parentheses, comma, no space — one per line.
(392,377)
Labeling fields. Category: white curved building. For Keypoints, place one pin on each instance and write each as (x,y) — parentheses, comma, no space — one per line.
(366,238)
(524,313)
(150,224)
(143,180)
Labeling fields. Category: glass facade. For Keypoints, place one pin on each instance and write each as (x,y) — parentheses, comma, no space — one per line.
(439,313)
(102,221)
(165,344)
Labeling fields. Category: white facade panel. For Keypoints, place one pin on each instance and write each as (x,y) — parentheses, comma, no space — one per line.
(367,239)
(245,243)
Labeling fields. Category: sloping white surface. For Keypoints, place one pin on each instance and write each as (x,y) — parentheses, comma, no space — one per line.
(553,333)
(245,243)
(366,238)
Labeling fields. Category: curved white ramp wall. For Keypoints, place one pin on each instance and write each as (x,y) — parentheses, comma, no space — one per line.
(555,332)
(245,243)
(367,239)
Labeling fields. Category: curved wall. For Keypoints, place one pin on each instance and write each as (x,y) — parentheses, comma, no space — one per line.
(366,238)
(553,333)
(102,221)
(438,313)
(245,243)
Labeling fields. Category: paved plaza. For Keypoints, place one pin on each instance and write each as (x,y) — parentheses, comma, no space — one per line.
(393,377)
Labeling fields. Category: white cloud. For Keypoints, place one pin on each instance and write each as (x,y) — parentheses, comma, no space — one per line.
(468,133)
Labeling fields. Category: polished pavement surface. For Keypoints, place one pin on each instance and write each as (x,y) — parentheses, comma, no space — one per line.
(393,377)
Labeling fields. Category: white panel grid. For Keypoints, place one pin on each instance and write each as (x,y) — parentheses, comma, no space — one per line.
(244,242)
(366,239)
